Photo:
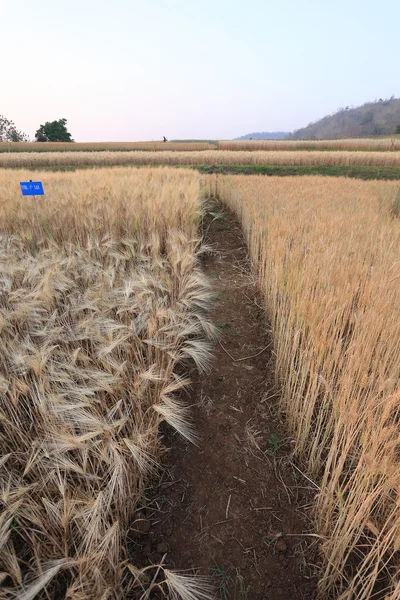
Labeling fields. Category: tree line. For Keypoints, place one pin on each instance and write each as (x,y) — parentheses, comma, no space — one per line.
(51,131)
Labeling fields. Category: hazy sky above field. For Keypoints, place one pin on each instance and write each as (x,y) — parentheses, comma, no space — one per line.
(140,69)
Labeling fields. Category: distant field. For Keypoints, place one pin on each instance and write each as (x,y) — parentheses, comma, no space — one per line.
(102,146)
(207,157)
(352,171)
(367,144)
(212,142)
(355,144)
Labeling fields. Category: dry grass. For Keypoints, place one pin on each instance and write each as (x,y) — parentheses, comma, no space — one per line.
(327,254)
(101,297)
(101,146)
(368,144)
(208,157)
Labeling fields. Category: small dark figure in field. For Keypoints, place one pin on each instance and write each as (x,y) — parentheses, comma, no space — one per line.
(165,139)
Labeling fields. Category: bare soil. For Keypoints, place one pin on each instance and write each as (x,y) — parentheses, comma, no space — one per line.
(233,507)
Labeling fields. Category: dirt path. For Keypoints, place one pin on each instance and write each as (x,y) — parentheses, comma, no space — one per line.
(222,506)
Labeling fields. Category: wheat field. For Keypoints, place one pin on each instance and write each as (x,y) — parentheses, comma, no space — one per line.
(103,303)
(206,157)
(353,144)
(326,251)
(101,299)
(101,146)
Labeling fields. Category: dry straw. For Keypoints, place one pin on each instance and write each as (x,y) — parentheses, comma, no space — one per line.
(369,144)
(327,254)
(353,144)
(101,298)
(207,157)
(101,146)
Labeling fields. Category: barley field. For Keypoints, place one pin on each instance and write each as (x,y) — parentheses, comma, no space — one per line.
(326,251)
(101,146)
(206,157)
(104,307)
(101,299)
(354,144)
(389,144)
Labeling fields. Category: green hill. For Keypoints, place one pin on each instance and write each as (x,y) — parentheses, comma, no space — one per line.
(372,118)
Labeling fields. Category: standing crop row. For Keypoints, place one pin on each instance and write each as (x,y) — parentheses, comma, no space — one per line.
(204,157)
(353,144)
(327,256)
(101,298)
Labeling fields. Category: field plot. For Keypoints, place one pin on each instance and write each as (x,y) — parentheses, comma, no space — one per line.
(206,157)
(369,144)
(352,144)
(101,146)
(101,299)
(327,256)
(103,311)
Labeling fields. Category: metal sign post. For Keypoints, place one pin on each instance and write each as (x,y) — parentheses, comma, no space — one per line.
(33,188)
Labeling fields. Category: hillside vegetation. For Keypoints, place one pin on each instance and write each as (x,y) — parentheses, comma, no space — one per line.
(372,118)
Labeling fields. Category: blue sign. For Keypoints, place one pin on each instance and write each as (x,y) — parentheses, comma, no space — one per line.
(32,188)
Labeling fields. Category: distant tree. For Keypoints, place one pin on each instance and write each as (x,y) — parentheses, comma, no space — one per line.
(9,132)
(397,129)
(54,131)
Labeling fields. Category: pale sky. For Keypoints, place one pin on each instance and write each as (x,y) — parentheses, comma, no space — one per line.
(126,70)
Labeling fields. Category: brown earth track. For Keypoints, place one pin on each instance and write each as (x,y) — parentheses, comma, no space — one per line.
(224,507)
